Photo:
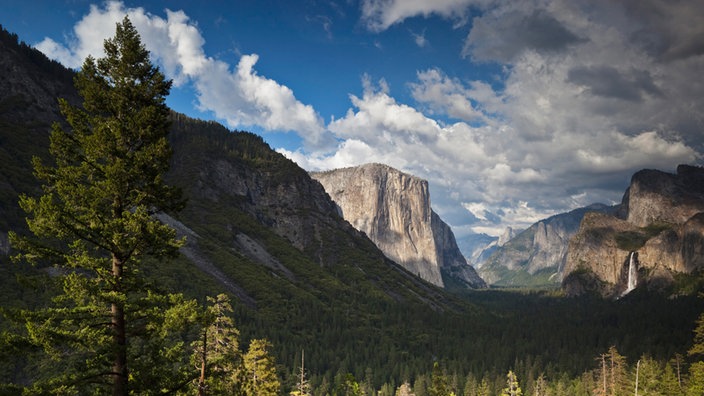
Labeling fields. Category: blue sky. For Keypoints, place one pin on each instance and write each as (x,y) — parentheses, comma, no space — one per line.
(513,111)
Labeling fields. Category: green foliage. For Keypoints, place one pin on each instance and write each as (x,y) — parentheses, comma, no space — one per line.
(94,224)
(217,351)
(512,388)
(696,379)
(260,378)
(438,382)
(634,240)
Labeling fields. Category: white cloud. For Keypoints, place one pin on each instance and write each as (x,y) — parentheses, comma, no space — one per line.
(444,95)
(379,15)
(241,97)
(420,39)
(550,138)
(477,209)
(547,136)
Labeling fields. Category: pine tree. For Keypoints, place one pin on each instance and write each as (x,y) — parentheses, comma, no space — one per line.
(484,389)
(669,384)
(470,385)
(97,224)
(695,385)
(612,377)
(512,387)
(618,373)
(260,370)
(217,351)
(648,377)
(541,386)
(438,382)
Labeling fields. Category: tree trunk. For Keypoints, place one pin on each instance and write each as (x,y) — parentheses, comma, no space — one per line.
(119,333)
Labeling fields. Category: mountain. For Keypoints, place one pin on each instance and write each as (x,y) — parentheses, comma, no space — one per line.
(257,227)
(658,232)
(29,87)
(536,256)
(477,248)
(261,230)
(393,209)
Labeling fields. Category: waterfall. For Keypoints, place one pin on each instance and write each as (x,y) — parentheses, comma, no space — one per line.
(632,274)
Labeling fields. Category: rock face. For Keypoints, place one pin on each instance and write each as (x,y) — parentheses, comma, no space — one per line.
(661,218)
(536,256)
(393,209)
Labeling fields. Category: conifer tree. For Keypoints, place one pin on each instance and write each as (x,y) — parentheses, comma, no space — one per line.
(612,377)
(217,351)
(438,382)
(695,385)
(512,387)
(648,377)
(260,370)
(484,389)
(541,386)
(96,224)
(669,384)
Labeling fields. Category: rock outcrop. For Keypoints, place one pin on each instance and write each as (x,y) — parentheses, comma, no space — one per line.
(536,256)
(661,218)
(393,209)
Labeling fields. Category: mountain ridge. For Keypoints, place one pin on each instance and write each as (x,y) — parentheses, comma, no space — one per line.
(536,256)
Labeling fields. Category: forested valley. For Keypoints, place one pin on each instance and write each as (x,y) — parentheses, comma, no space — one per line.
(95,297)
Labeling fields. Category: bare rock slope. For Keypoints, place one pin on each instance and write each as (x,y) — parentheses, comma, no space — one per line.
(393,209)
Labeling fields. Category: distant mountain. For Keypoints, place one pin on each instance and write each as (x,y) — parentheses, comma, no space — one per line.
(536,256)
(393,209)
(477,248)
(657,232)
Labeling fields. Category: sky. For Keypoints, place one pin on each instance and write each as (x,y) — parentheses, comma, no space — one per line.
(512,110)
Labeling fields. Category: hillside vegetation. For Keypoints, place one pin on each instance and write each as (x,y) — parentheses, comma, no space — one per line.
(261,232)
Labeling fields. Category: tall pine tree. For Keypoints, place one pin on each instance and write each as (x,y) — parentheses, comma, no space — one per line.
(96,224)
(260,370)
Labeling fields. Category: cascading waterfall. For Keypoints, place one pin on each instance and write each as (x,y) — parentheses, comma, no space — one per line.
(632,274)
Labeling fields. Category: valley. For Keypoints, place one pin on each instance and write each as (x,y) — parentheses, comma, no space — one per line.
(261,230)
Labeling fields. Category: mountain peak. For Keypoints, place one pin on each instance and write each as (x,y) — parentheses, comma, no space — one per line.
(393,209)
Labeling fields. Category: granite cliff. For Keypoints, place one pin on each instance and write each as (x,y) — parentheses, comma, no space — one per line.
(660,223)
(536,256)
(393,209)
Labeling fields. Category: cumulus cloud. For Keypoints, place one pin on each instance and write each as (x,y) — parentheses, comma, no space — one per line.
(237,94)
(585,95)
(444,95)
(588,95)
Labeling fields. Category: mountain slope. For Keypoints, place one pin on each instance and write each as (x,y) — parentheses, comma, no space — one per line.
(660,225)
(536,256)
(393,209)
(259,229)
(29,87)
